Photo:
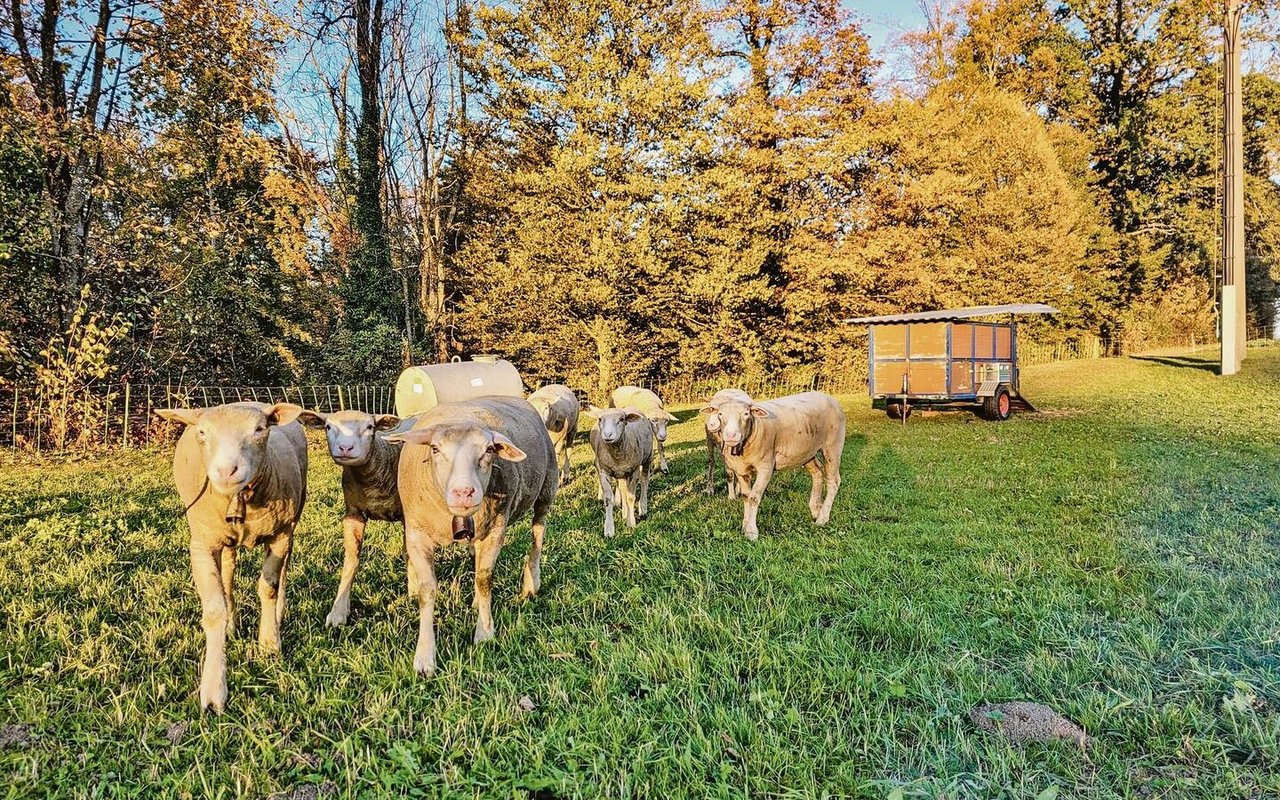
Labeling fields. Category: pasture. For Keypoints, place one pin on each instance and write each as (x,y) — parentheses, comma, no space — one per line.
(1116,557)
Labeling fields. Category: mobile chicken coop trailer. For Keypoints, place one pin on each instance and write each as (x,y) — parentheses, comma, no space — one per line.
(942,359)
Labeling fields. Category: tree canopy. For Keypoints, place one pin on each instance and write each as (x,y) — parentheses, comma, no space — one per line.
(606,191)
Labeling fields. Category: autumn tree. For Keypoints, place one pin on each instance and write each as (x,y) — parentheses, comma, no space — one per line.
(211,213)
(592,116)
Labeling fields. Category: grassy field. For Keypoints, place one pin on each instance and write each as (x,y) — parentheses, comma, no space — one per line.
(1116,557)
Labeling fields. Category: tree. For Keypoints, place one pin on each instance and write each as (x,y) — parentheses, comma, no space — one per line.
(210,213)
(590,117)
(806,71)
(72,58)
(968,205)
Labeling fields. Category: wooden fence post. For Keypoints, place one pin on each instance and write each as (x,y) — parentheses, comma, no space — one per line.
(126,415)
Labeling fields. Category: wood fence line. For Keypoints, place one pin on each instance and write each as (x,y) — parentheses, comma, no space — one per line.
(122,415)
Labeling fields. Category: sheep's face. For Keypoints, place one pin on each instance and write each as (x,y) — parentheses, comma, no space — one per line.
(349,433)
(233,439)
(462,458)
(659,418)
(542,407)
(612,422)
(732,421)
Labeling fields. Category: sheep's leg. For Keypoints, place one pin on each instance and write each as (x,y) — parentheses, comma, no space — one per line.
(606,498)
(487,550)
(662,456)
(421,551)
(627,490)
(411,574)
(281,601)
(213,619)
(711,466)
(832,455)
(353,527)
(815,494)
(269,585)
(566,445)
(751,500)
(644,491)
(228,587)
(533,564)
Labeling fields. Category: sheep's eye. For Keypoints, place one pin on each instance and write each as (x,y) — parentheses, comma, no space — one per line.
(435,450)
(369,427)
(260,429)
(328,427)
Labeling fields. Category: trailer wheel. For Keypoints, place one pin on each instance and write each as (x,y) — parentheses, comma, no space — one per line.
(999,406)
(895,411)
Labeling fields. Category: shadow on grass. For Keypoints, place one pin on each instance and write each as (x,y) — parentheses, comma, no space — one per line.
(1188,361)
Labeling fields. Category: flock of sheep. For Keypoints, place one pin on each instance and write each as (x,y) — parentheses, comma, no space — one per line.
(463,471)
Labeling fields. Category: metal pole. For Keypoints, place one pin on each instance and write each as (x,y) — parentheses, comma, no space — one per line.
(1233,266)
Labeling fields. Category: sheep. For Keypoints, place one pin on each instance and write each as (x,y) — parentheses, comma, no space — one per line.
(623,443)
(650,405)
(241,471)
(759,438)
(468,470)
(358,443)
(712,423)
(558,407)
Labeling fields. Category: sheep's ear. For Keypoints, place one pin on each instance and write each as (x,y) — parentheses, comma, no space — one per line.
(283,413)
(708,409)
(763,413)
(594,411)
(313,419)
(385,422)
(634,415)
(186,416)
(506,449)
(415,436)
(665,414)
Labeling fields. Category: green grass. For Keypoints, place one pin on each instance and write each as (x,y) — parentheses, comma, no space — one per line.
(1115,557)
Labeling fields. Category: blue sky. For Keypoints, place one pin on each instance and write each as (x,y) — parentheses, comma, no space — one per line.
(884,21)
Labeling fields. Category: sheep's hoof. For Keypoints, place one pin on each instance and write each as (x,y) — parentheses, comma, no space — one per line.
(424,666)
(482,635)
(269,645)
(335,619)
(751,535)
(213,697)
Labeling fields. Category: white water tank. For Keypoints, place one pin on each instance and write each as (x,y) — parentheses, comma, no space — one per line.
(420,389)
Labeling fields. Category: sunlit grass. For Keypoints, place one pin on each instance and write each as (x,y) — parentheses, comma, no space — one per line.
(1115,557)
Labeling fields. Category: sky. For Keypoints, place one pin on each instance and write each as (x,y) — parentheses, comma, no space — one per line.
(884,22)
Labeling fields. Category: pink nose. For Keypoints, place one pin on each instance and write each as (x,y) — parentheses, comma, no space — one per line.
(346,449)
(464,498)
(226,474)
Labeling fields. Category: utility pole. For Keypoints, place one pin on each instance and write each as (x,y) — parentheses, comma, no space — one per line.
(1233,264)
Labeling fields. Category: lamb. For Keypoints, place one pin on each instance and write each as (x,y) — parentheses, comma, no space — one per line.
(558,407)
(623,445)
(712,425)
(358,444)
(241,471)
(650,405)
(469,470)
(792,431)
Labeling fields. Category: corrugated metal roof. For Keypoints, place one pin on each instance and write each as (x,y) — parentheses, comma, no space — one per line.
(956,313)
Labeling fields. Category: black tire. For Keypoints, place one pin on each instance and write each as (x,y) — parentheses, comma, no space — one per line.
(999,406)
(898,411)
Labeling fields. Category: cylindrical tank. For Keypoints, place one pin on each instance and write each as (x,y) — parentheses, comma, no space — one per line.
(423,388)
